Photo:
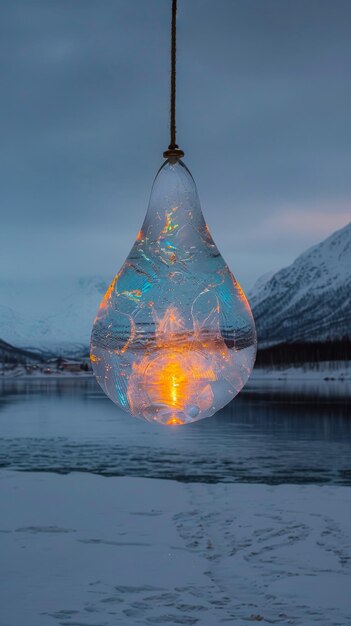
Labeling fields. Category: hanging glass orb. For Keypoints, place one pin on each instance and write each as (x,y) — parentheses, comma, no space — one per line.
(174,338)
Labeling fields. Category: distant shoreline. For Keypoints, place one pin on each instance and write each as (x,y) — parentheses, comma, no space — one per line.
(325,370)
(323,381)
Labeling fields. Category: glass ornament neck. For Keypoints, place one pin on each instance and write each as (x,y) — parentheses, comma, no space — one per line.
(174,202)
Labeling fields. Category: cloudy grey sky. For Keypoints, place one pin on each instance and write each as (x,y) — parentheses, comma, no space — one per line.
(264,102)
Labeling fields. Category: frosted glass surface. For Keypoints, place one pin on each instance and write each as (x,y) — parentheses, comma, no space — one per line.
(174,338)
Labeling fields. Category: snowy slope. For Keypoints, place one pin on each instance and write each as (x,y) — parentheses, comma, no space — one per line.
(52,314)
(172,553)
(311,299)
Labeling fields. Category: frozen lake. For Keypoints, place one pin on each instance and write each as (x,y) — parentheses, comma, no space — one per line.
(203,549)
(64,425)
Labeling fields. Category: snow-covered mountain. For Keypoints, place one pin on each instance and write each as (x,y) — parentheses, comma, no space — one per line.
(311,299)
(53,314)
(308,301)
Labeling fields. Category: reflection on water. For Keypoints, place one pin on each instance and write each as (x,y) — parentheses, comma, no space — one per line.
(69,425)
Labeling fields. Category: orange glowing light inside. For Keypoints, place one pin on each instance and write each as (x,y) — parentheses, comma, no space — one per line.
(174,421)
(106,300)
(169,227)
(172,380)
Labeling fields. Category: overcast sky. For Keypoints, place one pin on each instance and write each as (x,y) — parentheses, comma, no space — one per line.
(264,108)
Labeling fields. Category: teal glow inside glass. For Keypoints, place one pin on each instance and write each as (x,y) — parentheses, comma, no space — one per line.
(174,338)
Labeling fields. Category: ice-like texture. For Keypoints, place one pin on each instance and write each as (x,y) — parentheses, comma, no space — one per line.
(80,550)
(174,338)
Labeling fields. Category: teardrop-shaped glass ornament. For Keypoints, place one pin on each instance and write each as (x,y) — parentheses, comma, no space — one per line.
(174,338)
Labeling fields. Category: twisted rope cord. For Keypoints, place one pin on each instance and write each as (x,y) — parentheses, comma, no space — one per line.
(173,149)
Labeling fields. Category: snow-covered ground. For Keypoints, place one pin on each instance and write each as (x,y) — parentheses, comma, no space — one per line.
(83,550)
(310,299)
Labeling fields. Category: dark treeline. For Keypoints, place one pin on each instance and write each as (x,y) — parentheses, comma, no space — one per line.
(304,352)
(10,354)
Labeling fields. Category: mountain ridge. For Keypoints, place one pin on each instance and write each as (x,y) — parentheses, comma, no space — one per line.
(308,301)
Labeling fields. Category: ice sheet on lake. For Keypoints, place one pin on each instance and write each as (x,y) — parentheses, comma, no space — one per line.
(84,550)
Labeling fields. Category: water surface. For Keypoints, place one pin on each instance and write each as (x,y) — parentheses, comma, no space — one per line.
(283,436)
